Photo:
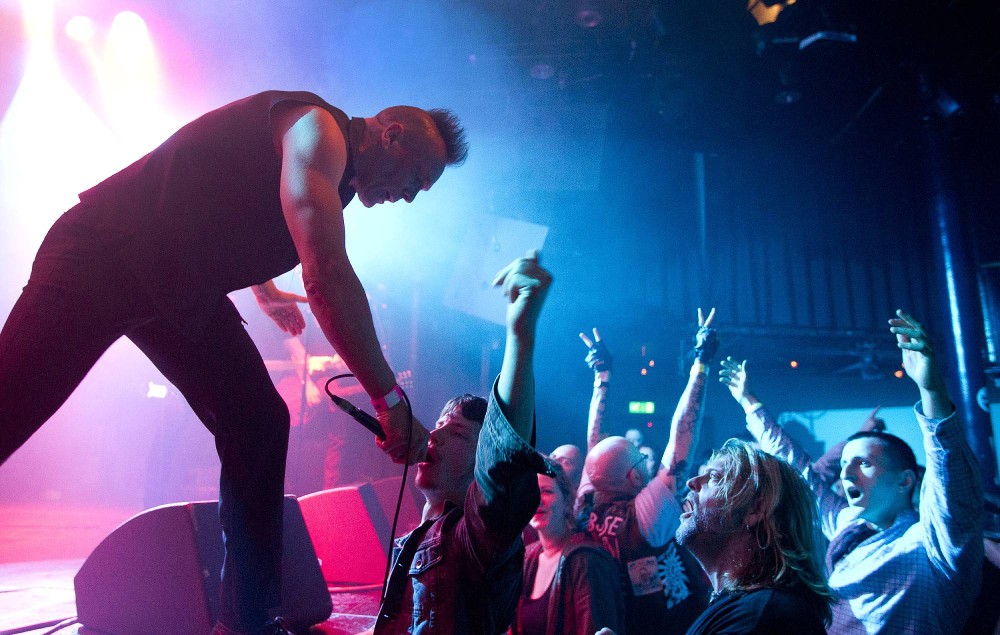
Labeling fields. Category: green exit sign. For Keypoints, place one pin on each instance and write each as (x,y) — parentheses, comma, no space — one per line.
(641,407)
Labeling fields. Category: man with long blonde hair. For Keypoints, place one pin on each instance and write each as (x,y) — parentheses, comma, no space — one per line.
(751,522)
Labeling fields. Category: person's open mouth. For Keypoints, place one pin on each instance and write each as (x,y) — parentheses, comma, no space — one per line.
(687,508)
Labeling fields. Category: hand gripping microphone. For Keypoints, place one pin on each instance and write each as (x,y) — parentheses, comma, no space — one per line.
(362,417)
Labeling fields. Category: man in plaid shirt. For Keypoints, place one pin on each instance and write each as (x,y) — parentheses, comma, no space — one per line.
(896,570)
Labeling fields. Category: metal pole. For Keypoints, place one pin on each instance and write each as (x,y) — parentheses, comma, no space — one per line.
(956,275)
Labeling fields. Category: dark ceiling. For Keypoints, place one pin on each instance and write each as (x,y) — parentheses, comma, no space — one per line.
(709,69)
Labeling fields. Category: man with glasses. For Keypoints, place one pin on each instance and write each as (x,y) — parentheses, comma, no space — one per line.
(635,514)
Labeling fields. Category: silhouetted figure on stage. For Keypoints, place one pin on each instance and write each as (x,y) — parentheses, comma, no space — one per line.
(231,200)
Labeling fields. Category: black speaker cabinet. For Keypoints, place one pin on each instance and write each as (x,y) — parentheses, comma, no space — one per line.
(159,574)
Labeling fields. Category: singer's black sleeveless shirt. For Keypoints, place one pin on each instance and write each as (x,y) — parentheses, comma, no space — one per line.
(200,216)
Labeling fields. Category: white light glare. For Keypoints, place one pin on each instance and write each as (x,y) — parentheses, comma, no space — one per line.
(80,29)
(156,391)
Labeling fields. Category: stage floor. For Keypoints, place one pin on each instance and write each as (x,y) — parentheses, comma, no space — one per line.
(42,546)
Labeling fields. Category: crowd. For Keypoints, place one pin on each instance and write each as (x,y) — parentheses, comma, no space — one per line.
(759,539)
(787,548)
(862,540)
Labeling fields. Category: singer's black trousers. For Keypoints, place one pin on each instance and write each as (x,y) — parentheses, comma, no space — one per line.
(79,300)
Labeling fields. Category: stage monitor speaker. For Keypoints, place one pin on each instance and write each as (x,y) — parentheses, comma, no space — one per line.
(159,574)
(350,533)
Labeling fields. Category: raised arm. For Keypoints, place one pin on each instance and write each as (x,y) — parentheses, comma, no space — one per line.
(656,504)
(599,359)
(525,283)
(505,493)
(686,422)
(773,440)
(759,422)
(920,364)
(951,497)
(314,157)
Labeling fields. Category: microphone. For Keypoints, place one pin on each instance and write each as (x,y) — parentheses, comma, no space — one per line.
(360,416)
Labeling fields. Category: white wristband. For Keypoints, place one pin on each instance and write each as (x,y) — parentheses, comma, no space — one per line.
(391,398)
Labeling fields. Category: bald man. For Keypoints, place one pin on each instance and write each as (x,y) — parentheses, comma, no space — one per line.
(634,517)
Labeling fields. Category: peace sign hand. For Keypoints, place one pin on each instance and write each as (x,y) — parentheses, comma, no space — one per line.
(598,357)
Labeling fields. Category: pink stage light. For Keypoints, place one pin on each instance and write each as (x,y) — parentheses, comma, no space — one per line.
(53,145)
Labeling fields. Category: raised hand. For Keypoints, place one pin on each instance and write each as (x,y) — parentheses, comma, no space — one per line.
(919,360)
(706,340)
(920,363)
(874,422)
(734,375)
(525,283)
(598,356)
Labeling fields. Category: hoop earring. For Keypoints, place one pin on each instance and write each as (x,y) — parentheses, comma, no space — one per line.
(767,542)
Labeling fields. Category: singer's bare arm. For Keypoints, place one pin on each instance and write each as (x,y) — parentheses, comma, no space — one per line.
(313,159)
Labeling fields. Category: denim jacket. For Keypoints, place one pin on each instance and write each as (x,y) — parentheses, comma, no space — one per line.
(461,572)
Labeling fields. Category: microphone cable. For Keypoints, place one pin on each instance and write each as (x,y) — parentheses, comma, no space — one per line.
(336,399)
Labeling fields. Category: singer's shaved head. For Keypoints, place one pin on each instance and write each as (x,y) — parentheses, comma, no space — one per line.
(436,123)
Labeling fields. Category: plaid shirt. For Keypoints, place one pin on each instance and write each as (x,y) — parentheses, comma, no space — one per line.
(921,574)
